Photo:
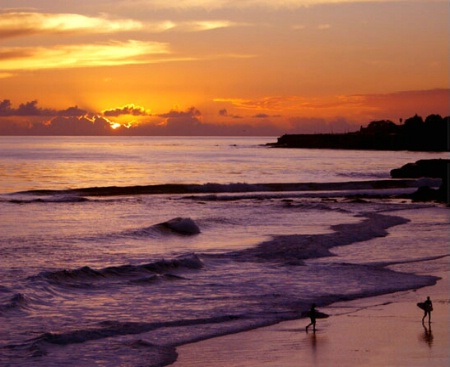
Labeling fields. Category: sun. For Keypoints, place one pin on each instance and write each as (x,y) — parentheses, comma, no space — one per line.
(115,125)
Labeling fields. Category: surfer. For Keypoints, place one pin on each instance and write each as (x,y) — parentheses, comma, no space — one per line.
(428,307)
(312,315)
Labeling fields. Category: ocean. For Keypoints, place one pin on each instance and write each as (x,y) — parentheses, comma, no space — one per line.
(116,250)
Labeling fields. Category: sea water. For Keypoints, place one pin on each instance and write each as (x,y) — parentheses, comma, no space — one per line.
(107,278)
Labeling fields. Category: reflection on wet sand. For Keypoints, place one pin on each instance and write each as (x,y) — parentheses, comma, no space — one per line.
(427,335)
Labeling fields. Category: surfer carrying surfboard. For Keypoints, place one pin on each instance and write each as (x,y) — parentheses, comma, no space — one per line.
(313,316)
(427,307)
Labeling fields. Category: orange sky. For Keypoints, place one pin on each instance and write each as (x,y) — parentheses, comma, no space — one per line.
(222,66)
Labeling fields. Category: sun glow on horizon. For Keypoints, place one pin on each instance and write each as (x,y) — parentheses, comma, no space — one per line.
(259,66)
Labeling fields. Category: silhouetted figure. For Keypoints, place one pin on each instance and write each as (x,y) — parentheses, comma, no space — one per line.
(427,310)
(312,315)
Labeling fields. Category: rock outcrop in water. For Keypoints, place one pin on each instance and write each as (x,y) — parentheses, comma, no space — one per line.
(439,168)
(415,134)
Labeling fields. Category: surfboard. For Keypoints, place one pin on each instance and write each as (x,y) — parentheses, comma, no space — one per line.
(424,306)
(319,315)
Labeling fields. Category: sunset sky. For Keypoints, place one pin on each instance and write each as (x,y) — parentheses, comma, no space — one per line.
(213,67)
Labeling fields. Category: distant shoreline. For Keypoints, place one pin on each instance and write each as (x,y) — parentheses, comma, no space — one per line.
(354,141)
(431,135)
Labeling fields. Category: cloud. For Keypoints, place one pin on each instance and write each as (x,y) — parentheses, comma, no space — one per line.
(129,109)
(245,4)
(191,26)
(363,107)
(6,75)
(264,116)
(224,113)
(15,24)
(24,109)
(191,113)
(404,104)
(31,109)
(77,121)
(323,26)
(76,56)
(332,115)
(270,103)
(73,111)
(70,125)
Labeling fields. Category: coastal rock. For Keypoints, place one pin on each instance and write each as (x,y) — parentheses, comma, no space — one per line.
(427,168)
(423,168)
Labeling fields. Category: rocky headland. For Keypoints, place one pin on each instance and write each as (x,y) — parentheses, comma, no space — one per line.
(414,134)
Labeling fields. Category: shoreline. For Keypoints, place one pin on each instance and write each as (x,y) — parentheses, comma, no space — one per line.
(377,331)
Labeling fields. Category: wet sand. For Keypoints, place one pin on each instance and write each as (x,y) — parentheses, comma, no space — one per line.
(379,331)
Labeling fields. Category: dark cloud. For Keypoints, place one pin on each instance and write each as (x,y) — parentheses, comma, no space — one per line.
(31,108)
(265,116)
(73,111)
(30,119)
(261,116)
(174,114)
(130,109)
(183,122)
(225,113)
(24,109)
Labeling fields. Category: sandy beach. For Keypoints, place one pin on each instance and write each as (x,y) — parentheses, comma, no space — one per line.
(373,332)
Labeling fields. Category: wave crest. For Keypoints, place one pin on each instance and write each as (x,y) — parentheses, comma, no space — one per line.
(86,276)
(185,226)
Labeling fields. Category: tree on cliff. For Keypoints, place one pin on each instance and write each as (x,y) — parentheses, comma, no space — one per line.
(380,127)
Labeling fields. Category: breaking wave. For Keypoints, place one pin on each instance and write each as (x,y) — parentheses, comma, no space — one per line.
(228,188)
(17,302)
(145,273)
(178,225)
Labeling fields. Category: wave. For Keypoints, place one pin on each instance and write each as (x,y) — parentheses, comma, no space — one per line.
(287,249)
(17,302)
(178,226)
(46,199)
(139,351)
(258,309)
(107,329)
(185,226)
(294,249)
(212,188)
(86,276)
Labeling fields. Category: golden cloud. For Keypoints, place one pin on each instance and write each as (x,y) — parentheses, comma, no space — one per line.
(360,107)
(15,24)
(75,56)
(272,103)
(221,4)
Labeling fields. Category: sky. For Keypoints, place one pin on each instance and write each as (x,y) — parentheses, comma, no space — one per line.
(219,67)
